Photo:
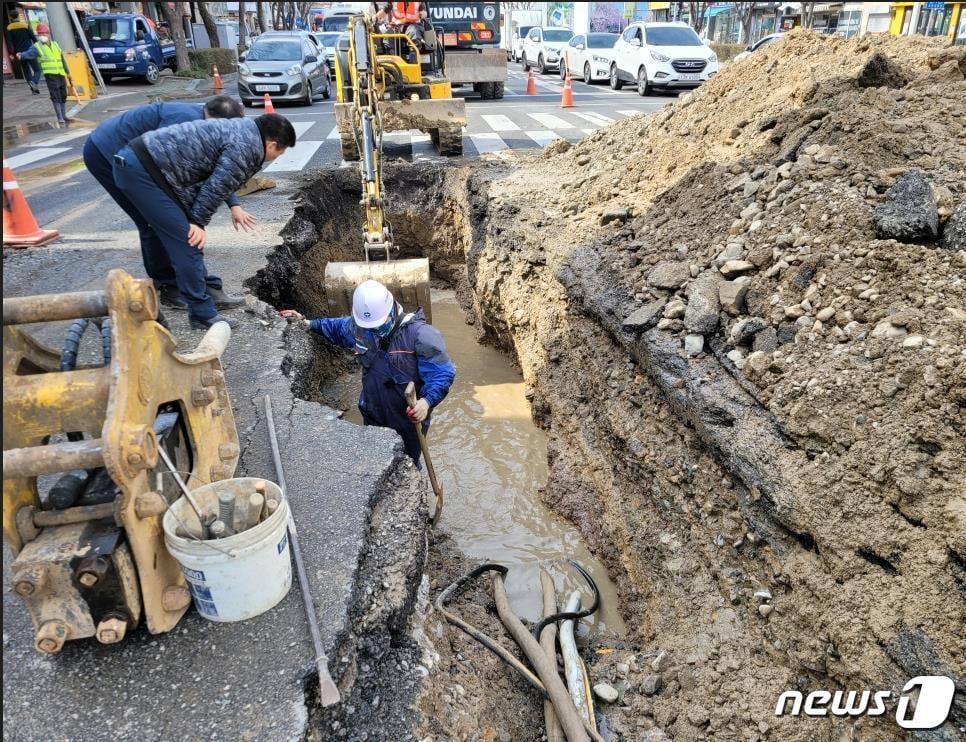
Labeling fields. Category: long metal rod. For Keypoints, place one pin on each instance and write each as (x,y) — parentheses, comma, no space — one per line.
(574,669)
(53,458)
(25,310)
(328,692)
(184,489)
(79,514)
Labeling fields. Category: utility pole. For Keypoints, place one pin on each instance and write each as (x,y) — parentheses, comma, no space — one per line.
(61,29)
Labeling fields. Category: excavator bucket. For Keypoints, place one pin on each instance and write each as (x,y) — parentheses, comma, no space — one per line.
(442,118)
(408,280)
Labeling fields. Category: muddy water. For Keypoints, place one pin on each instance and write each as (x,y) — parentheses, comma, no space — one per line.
(491,461)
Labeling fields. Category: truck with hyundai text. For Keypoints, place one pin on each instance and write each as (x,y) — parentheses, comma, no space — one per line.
(470,33)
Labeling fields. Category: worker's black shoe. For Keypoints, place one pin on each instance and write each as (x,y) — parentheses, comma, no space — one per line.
(204,324)
(170,297)
(224,300)
(34,89)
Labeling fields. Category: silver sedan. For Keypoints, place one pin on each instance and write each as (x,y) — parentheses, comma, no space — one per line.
(288,68)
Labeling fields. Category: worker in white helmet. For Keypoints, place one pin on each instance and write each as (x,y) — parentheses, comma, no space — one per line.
(395,348)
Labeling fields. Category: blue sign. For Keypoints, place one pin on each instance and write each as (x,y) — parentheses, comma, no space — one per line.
(935,6)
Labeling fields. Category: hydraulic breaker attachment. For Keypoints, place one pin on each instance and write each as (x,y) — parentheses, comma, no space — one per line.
(89,548)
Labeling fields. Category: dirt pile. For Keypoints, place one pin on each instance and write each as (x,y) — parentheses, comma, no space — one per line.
(754,400)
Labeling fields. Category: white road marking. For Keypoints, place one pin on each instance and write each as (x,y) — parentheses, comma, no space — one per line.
(295,158)
(543,138)
(594,118)
(550,121)
(628,113)
(500,123)
(588,131)
(423,148)
(489,142)
(301,127)
(61,139)
(34,155)
(334,134)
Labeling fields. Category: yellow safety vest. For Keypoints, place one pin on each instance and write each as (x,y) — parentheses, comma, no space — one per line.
(51,59)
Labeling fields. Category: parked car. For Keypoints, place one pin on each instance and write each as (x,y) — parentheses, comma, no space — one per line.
(327,41)
(661,55)
(286,66)
(764,41)
(129,45)
(590,56)
(294,32)
(516,48)
(543,46)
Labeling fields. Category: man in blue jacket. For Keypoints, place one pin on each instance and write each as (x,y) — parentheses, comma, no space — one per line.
(112,136)
(177,177)
(395,348)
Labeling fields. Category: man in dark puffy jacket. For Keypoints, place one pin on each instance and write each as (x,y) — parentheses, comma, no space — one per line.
(178,176)
(111,136)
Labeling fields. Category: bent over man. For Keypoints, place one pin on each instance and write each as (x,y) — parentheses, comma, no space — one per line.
(111,136)
(395,348)
(177,177)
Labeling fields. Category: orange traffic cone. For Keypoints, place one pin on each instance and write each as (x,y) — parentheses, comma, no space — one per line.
(20,229)
(567,96)
(217,85)
(269,108)
(531,83)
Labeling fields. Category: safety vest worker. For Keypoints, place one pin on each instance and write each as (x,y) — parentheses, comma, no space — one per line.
(406,13)
(48,54)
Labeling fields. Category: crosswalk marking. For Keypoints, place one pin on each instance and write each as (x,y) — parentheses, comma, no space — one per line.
(301,127)
(627,112)
(550,121)
(488,142)
(588,131)
(62,138)
(294,158)
(334,134)
(34,155)
(543,138)
(594,118)
(500,123)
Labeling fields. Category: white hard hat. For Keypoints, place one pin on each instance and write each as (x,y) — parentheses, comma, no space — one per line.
(371,304)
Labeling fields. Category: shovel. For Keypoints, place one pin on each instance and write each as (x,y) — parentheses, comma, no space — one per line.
(411,401)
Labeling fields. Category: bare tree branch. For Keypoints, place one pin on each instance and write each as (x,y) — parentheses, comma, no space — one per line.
(211,28)
(696,16)
(175,20)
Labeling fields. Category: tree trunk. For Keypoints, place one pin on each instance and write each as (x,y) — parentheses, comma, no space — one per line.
(175,20)
(211,28)
(696,16)
(242,28)
(260,9)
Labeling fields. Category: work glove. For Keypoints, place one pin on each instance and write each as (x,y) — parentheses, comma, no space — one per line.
(295,317)
(419,411)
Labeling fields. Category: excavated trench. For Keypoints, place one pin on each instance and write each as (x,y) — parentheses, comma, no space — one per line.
(665,467)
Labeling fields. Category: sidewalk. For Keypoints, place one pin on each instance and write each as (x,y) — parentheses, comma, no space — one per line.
(25,114)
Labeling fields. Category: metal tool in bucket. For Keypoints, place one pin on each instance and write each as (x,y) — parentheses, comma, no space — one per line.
(242,575)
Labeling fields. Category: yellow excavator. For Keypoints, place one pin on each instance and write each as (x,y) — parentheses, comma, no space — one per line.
(385,82)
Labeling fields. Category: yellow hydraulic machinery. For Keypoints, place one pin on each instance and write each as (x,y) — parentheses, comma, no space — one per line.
(83,494)
(379,91)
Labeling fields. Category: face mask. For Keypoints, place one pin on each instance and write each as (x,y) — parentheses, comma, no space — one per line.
(386,327)
(43,39)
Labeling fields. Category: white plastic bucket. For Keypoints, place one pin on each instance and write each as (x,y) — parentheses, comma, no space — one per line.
(254,574)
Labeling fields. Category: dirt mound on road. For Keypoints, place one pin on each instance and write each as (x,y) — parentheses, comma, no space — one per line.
(754,389)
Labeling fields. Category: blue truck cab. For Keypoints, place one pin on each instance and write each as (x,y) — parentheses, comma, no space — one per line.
(129,45)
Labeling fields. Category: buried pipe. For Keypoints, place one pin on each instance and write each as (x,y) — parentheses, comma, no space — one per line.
(574,669)
(548,641)
(458,587)
(567,714)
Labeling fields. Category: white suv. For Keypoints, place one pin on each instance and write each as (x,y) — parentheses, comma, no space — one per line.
(543,47)
(661,55)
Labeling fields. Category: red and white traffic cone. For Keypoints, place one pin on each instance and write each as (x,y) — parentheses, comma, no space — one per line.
(567,96)
(531,83)
(217,85)
(269,108)
(20,229)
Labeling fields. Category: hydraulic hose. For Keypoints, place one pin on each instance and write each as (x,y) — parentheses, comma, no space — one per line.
(68,356)
(575,615)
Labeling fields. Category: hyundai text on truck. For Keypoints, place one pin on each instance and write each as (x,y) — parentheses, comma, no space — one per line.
(470,33)
(129,45)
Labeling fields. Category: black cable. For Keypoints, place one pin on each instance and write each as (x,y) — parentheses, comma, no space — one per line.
(573,615)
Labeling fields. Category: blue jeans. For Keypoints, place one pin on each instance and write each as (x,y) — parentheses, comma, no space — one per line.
(170,226)
(31,71)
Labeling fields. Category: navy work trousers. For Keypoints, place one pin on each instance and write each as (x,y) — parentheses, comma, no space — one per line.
(169,223)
